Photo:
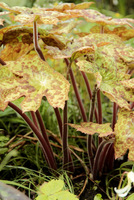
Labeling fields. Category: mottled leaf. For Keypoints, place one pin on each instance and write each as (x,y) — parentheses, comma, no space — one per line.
(70,6)
(35,79)
(128,83)
(91,128)
(7,85)
(78,45)
(96,17)
(124,134)
(109,68)
(123,32)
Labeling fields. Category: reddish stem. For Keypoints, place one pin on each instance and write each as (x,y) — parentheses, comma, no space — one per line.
(46,150)
(76,91)
(99,107)
(34,119)
(56,110)
(114,115)
(35,41)
(89,92)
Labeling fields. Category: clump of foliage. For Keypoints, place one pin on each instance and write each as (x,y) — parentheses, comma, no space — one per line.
(42,35)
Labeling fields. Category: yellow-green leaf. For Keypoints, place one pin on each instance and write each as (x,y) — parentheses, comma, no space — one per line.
(91,128)
(37,79)
(124,134)
(128,83)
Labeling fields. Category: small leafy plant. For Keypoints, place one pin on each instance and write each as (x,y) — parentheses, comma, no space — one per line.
(40,36)
(55,189)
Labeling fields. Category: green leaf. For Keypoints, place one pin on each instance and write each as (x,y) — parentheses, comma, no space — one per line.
(130,197)
(52,187)
(54,190)
(91,128)
(124,134)
(33,78)
(98,197)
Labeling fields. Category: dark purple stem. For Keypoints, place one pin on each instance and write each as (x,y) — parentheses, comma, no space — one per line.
(57,113)
(89,138)
(76,91)
(34,119)
(35,41)
(114,115)
(99,107)
(43,130)
(46,150)
(65,138)
(89,92)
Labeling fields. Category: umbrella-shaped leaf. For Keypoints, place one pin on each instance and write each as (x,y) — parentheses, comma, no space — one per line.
(78,46)
(70,6)
(91,128)
(96,17)
(123,32)
(37,79)
(26,15)
(111,67)
(124,134)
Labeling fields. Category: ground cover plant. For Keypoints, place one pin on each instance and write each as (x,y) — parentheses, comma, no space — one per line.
(39,56)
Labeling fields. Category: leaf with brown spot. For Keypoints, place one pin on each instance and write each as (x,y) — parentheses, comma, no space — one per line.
(70,6)
(26,15)
(91,128)
(35,80)
(8,83)
(111,67)
(78,45)
(128,83)
(123,32)
(124,134)
(94,16)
